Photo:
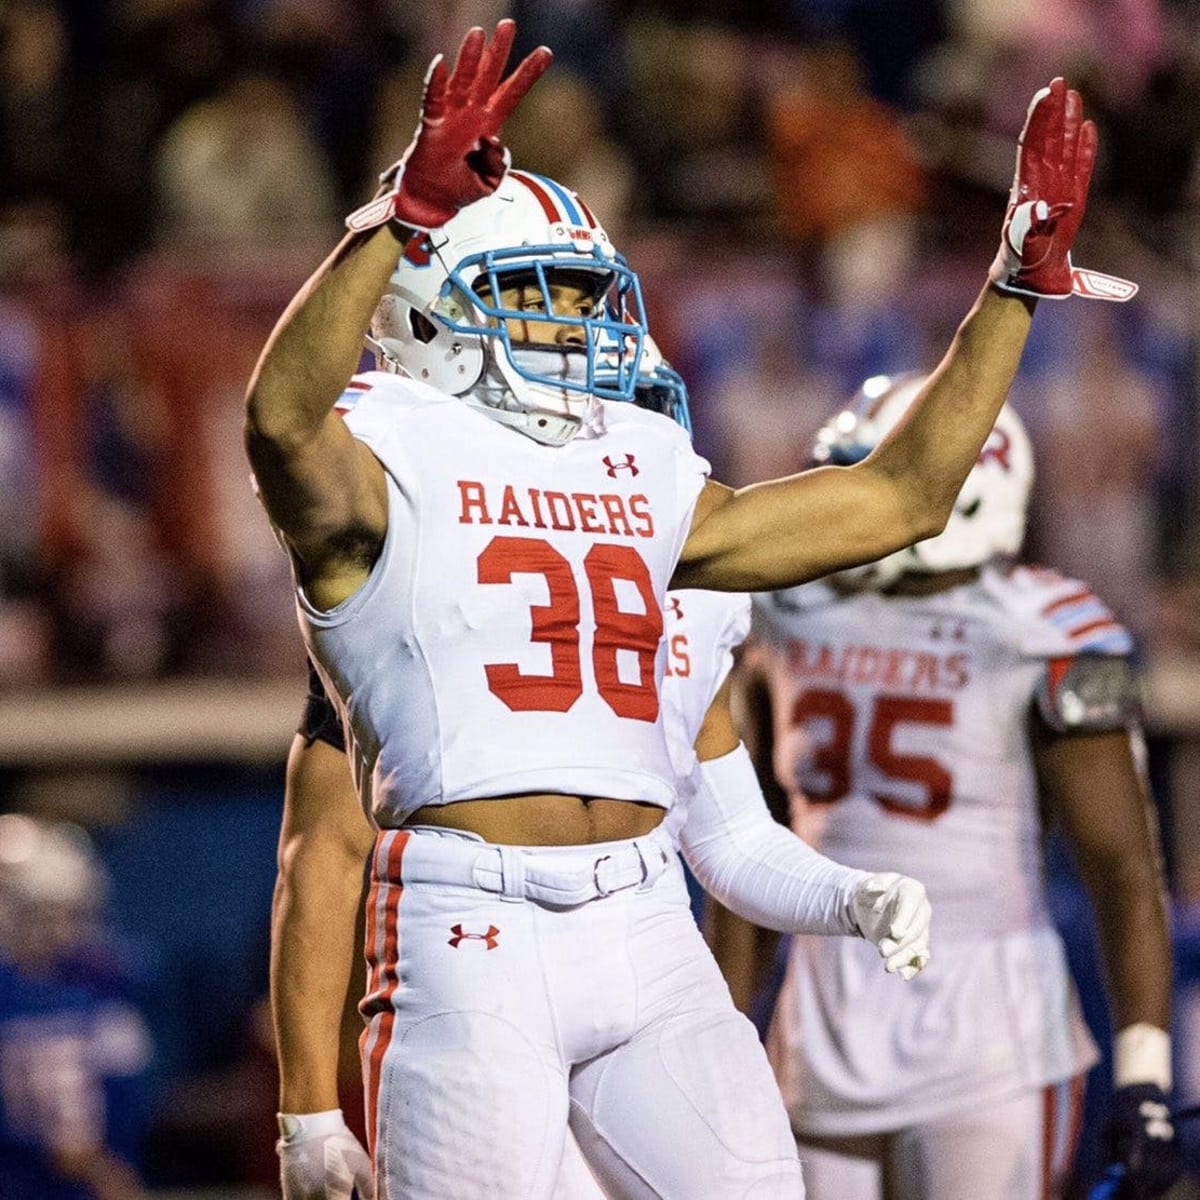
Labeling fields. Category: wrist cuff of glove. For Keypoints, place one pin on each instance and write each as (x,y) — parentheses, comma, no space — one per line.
(298,1127)
(383,211)
(384,208)
(1142,1054)
(1090,285)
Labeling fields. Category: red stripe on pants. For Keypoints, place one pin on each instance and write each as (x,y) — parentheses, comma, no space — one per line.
(385,976)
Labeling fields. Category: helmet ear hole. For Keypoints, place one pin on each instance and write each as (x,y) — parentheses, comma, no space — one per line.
(971,509)
(424,330)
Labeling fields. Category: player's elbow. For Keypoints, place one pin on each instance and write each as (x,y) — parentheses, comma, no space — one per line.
(321,854)
(909,506)
(270,426)
(929,519)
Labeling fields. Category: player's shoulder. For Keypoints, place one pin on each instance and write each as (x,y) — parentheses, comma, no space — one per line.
(1052,615)
(621,418)
(380,398)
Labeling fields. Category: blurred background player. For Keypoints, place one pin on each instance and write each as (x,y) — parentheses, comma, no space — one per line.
(730,840)
(938,710)
(73,1051)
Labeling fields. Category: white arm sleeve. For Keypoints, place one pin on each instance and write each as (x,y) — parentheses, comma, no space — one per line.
(753,865)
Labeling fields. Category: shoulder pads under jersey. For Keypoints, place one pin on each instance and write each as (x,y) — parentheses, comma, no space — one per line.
(1053,616)
(1088,693)
(773,609)
(621,412)
(378,398)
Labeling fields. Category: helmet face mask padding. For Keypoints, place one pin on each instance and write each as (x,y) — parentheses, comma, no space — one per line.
(533,233)
(989,515)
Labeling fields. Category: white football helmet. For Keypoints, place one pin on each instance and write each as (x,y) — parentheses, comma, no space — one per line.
(658,387)
(53,887)
(989,515)
(440,319)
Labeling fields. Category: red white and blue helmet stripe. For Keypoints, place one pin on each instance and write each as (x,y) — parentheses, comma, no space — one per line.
(559,204)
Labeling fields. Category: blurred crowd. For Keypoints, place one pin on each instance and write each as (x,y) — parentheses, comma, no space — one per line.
(811,190)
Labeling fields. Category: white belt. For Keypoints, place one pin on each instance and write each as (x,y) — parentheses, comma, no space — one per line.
(550,876)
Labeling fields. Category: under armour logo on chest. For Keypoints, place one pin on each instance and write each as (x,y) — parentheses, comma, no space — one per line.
(613,468)
(491,938)
(675,607)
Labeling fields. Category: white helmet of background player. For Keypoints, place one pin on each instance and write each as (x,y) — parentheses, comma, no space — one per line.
(989,514)
(52,889)
(659,387)
(440,319)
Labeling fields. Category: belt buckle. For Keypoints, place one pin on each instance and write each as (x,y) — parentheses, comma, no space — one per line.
(601,891)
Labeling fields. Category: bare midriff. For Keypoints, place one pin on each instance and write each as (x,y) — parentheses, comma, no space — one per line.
(544,819)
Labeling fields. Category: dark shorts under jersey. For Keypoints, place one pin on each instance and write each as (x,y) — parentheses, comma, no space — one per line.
(320,721)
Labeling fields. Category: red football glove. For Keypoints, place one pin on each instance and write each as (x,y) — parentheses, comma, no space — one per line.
(1055,156)
(455,157)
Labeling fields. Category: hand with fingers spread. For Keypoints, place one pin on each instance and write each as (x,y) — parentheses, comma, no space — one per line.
(893,913)
(456,156)
(1055,156)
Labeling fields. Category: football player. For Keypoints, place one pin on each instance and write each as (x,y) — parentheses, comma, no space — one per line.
(74,1054)
(732,843)
(482,550)
(937,710)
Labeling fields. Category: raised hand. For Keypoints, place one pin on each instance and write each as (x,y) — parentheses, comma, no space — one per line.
(1055,156)
(892,912)
(456,156)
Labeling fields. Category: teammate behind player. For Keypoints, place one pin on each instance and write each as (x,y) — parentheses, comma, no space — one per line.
(734,846)
(931,711)
(482,551)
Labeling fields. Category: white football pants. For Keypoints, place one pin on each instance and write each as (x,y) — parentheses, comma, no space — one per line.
(513,989)
(1015,1149)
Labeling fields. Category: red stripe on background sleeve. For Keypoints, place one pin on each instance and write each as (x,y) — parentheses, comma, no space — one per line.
(1067,601)
(1092,626)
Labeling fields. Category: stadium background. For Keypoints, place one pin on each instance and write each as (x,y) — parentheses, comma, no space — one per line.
(811,194)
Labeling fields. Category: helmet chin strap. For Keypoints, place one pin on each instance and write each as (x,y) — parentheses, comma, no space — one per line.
(495,395)
(550,429)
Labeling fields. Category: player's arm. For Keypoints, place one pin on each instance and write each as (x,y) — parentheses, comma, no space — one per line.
(324,843)
(744,951)
(786,531)
(1095,786)
(776,534)
(1099,794)
(324,491)
(764,873)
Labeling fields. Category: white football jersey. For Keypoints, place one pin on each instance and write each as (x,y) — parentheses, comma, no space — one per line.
(509,638)
(906,723)
(701,630)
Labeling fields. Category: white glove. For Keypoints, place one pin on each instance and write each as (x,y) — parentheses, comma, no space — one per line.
(320,1159)
(892,912)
